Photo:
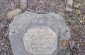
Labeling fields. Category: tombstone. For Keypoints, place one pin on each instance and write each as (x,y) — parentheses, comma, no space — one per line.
(37,34)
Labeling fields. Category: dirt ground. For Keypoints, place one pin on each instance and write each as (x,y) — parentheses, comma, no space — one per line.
(75,20)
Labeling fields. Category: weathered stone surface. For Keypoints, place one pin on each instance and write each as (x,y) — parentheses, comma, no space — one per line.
(37,34)
(40,40)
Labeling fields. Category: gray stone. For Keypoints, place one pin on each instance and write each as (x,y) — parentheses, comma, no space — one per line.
(37,34)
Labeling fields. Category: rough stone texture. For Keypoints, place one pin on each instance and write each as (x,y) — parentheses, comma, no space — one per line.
(40,40)
(26,21)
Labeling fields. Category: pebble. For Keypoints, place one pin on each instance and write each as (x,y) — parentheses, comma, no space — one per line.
(23,4)
(77,5)
(69,5)
(13,13)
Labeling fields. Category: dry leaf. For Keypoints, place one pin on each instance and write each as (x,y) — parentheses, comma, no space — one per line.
(65,43)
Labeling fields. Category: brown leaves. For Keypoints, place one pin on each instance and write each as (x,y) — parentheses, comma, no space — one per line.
(65,43)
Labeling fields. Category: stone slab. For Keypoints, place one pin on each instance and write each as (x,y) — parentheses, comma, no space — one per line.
(37,34)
